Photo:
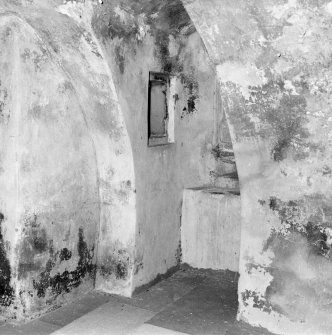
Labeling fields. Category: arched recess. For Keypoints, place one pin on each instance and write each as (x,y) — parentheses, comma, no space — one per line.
(273,63)
(68,190)
(139,37)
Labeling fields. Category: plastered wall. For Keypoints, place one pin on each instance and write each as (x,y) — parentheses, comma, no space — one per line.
(142,36)
(65,158)
(211,228)
(85,203)
(273,60)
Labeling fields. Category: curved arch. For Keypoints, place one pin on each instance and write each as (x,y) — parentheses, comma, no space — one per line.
(267,75)
(67,100)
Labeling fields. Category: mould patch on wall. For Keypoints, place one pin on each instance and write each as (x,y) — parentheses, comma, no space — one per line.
(52,286)
(191,86)
(34,242)
(222,152)
(116,265)
(37,58)
(193,96)
(65,255)
(6,291)
(257,301)
(120,58)
(4,116)
(139,265)
(117,28)
(302,256)
(308,217)
(129,22)
(65,86)
(123,193)
(42,112)
(94,48)
(275,112)
(178,253)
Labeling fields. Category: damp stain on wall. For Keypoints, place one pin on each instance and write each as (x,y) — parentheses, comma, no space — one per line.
(157,36)
(65,255)
(223,153)
(51,256)
(115,266)
(276,113)
(34,243)
(190,83)
(6,291)
(120,57)
(50,286)
(38,58)
(301,246)
(139,265)
(129,22)
(4,115)
(178,253)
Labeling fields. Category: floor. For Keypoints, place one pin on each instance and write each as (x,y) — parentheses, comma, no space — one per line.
(191,301)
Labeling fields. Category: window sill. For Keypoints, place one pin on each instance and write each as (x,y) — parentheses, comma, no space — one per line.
(158,141)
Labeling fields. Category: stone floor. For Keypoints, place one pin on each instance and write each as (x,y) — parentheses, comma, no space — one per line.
(191,301)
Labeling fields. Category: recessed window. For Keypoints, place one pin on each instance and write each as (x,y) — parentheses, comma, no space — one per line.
(161,109)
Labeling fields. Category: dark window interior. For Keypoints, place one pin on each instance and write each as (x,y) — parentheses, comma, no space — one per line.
(158,113)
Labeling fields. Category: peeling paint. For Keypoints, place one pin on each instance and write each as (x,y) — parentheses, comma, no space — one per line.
(273,65)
